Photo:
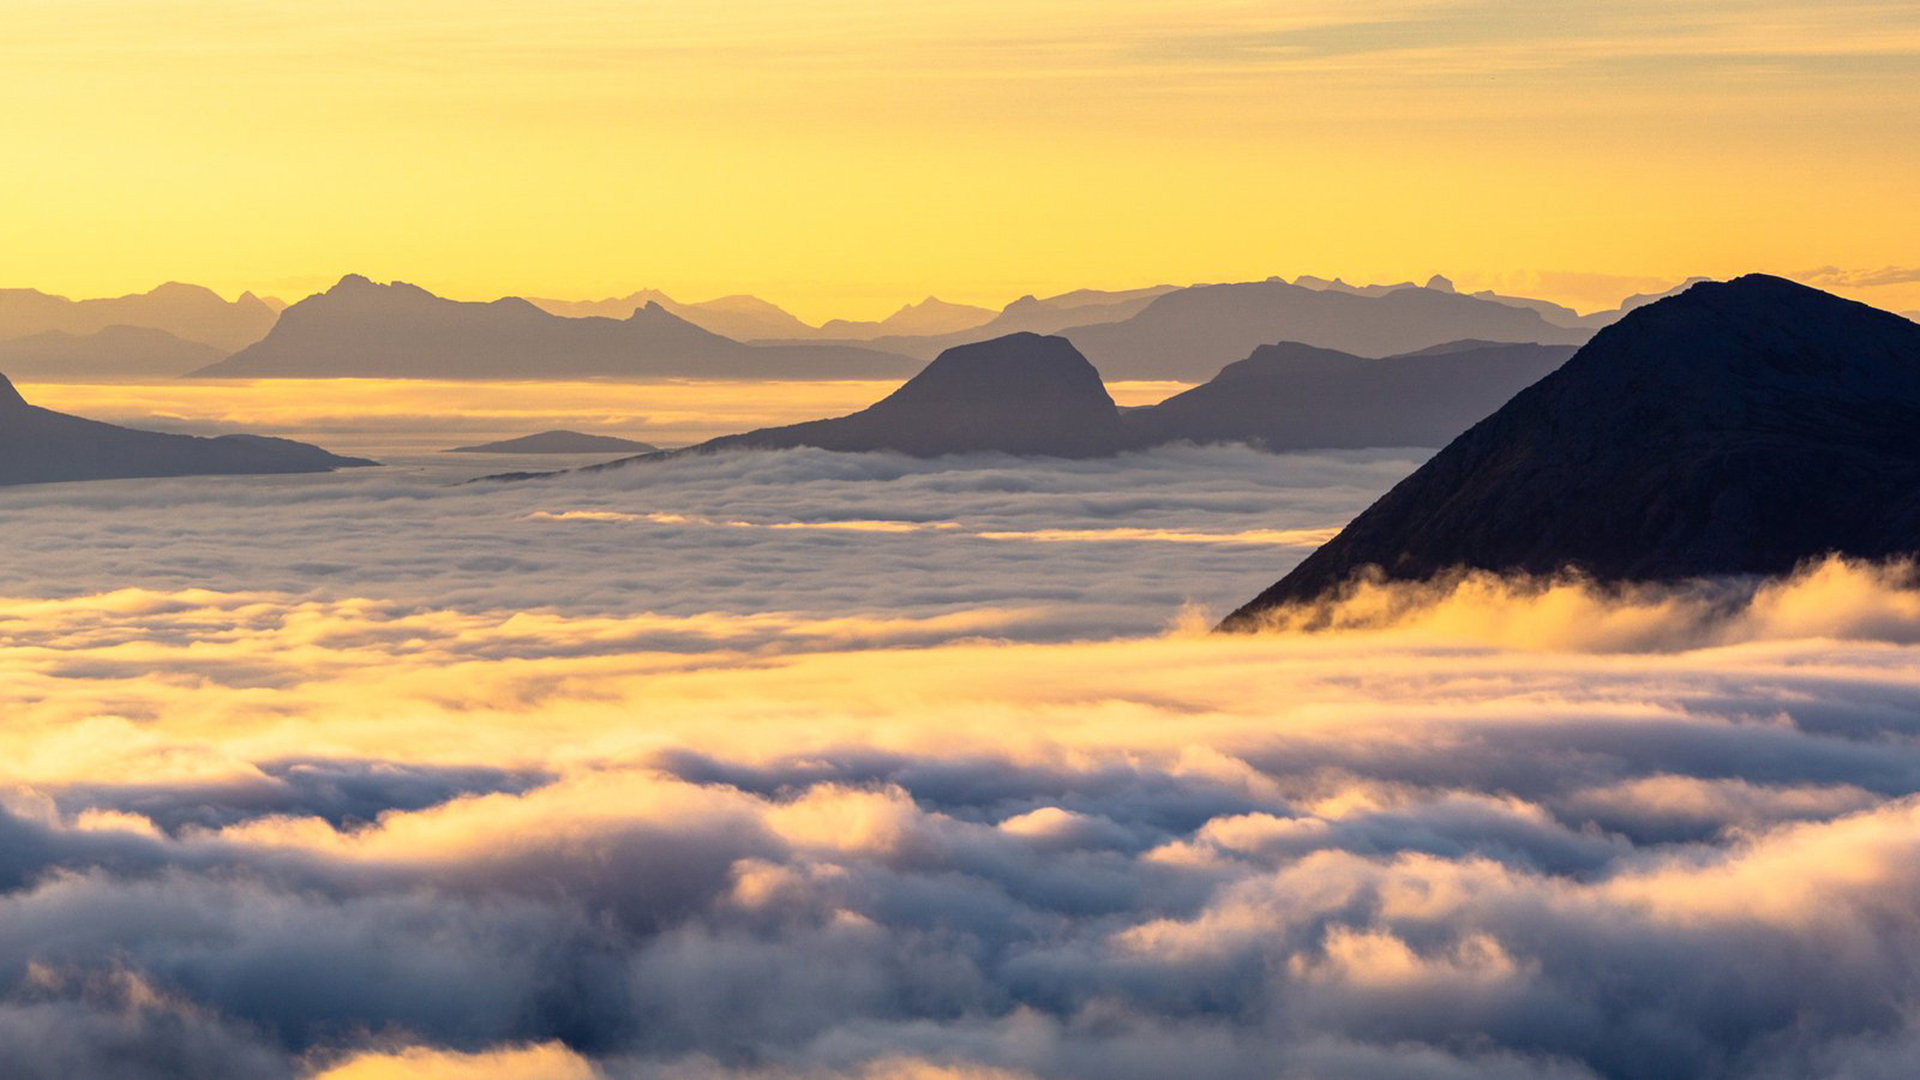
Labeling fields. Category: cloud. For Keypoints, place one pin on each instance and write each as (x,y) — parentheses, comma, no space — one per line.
(659,796)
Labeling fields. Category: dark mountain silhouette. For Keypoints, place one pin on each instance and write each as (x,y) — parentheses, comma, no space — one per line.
(928,317)
(1297,397)
(1020,394)
(115,351)
(1192,333)
(40,446)
(189,312)
(361,329)
(740,317)
(560,442)
(1737,428)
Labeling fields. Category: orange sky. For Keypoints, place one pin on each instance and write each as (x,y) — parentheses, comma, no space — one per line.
(844,157)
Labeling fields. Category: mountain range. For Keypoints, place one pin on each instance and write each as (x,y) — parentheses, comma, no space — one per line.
(110,352)
(1032,394)
(1738,428)
(40,446)
(189,312)
(1191,333)
(366,330)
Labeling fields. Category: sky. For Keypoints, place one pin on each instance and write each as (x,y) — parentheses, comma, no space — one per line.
(844,157)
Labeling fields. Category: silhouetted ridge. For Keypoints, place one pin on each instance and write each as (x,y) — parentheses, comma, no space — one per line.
(40,446)
(360,328)
(1737,428)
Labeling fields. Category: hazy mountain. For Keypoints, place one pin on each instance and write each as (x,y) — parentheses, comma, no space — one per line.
(742,318)
(1297,397)
(560,442)
(115,351)
(362,329)
(928,317)
(42,446)
(1031,315)
(185,311)
(1737,428)
(1020,394)
(1190,334)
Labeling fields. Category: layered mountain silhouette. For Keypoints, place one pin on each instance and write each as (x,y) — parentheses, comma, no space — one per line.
(1190,334)
(1297,397)
(1019,394)
(189,312)
(1033,394)
(39,446)
(362,329)
(112,352)
(928,317)
(1739,428)
(560,442)
(740,317)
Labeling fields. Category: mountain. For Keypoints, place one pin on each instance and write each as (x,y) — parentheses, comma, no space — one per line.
(114,351)
(930,316)
(185,311)
(1030,315)
(1020,394)
(560,442)
(1298,397)
(366,330)
(1737,428)
(40,446)
(1190,334)
(742,318)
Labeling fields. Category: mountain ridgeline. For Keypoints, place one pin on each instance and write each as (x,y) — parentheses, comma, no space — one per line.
(1036,395)
(361,329)
(1739,428)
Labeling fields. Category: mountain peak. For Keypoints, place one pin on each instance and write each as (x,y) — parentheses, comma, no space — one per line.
(1440,284)
(1737,428)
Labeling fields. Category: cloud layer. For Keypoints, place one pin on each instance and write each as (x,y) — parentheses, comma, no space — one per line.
(408,818)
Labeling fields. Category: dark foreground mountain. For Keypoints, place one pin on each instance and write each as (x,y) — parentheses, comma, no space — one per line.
(1020,394)
(1735,429)
(1190,334)
(39,446)
(560,442)
(365,330)
(113,352)
(1298,397)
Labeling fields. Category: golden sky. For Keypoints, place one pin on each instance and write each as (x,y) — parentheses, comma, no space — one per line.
(842,157)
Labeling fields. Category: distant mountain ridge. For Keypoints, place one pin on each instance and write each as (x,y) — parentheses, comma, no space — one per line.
(362,329)
(1738,428)
(39,446)
(1191,333)
(560,442)
(189,312)
(111,352)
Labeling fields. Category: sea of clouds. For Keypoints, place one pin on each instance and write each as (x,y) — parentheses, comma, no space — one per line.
(803,765)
